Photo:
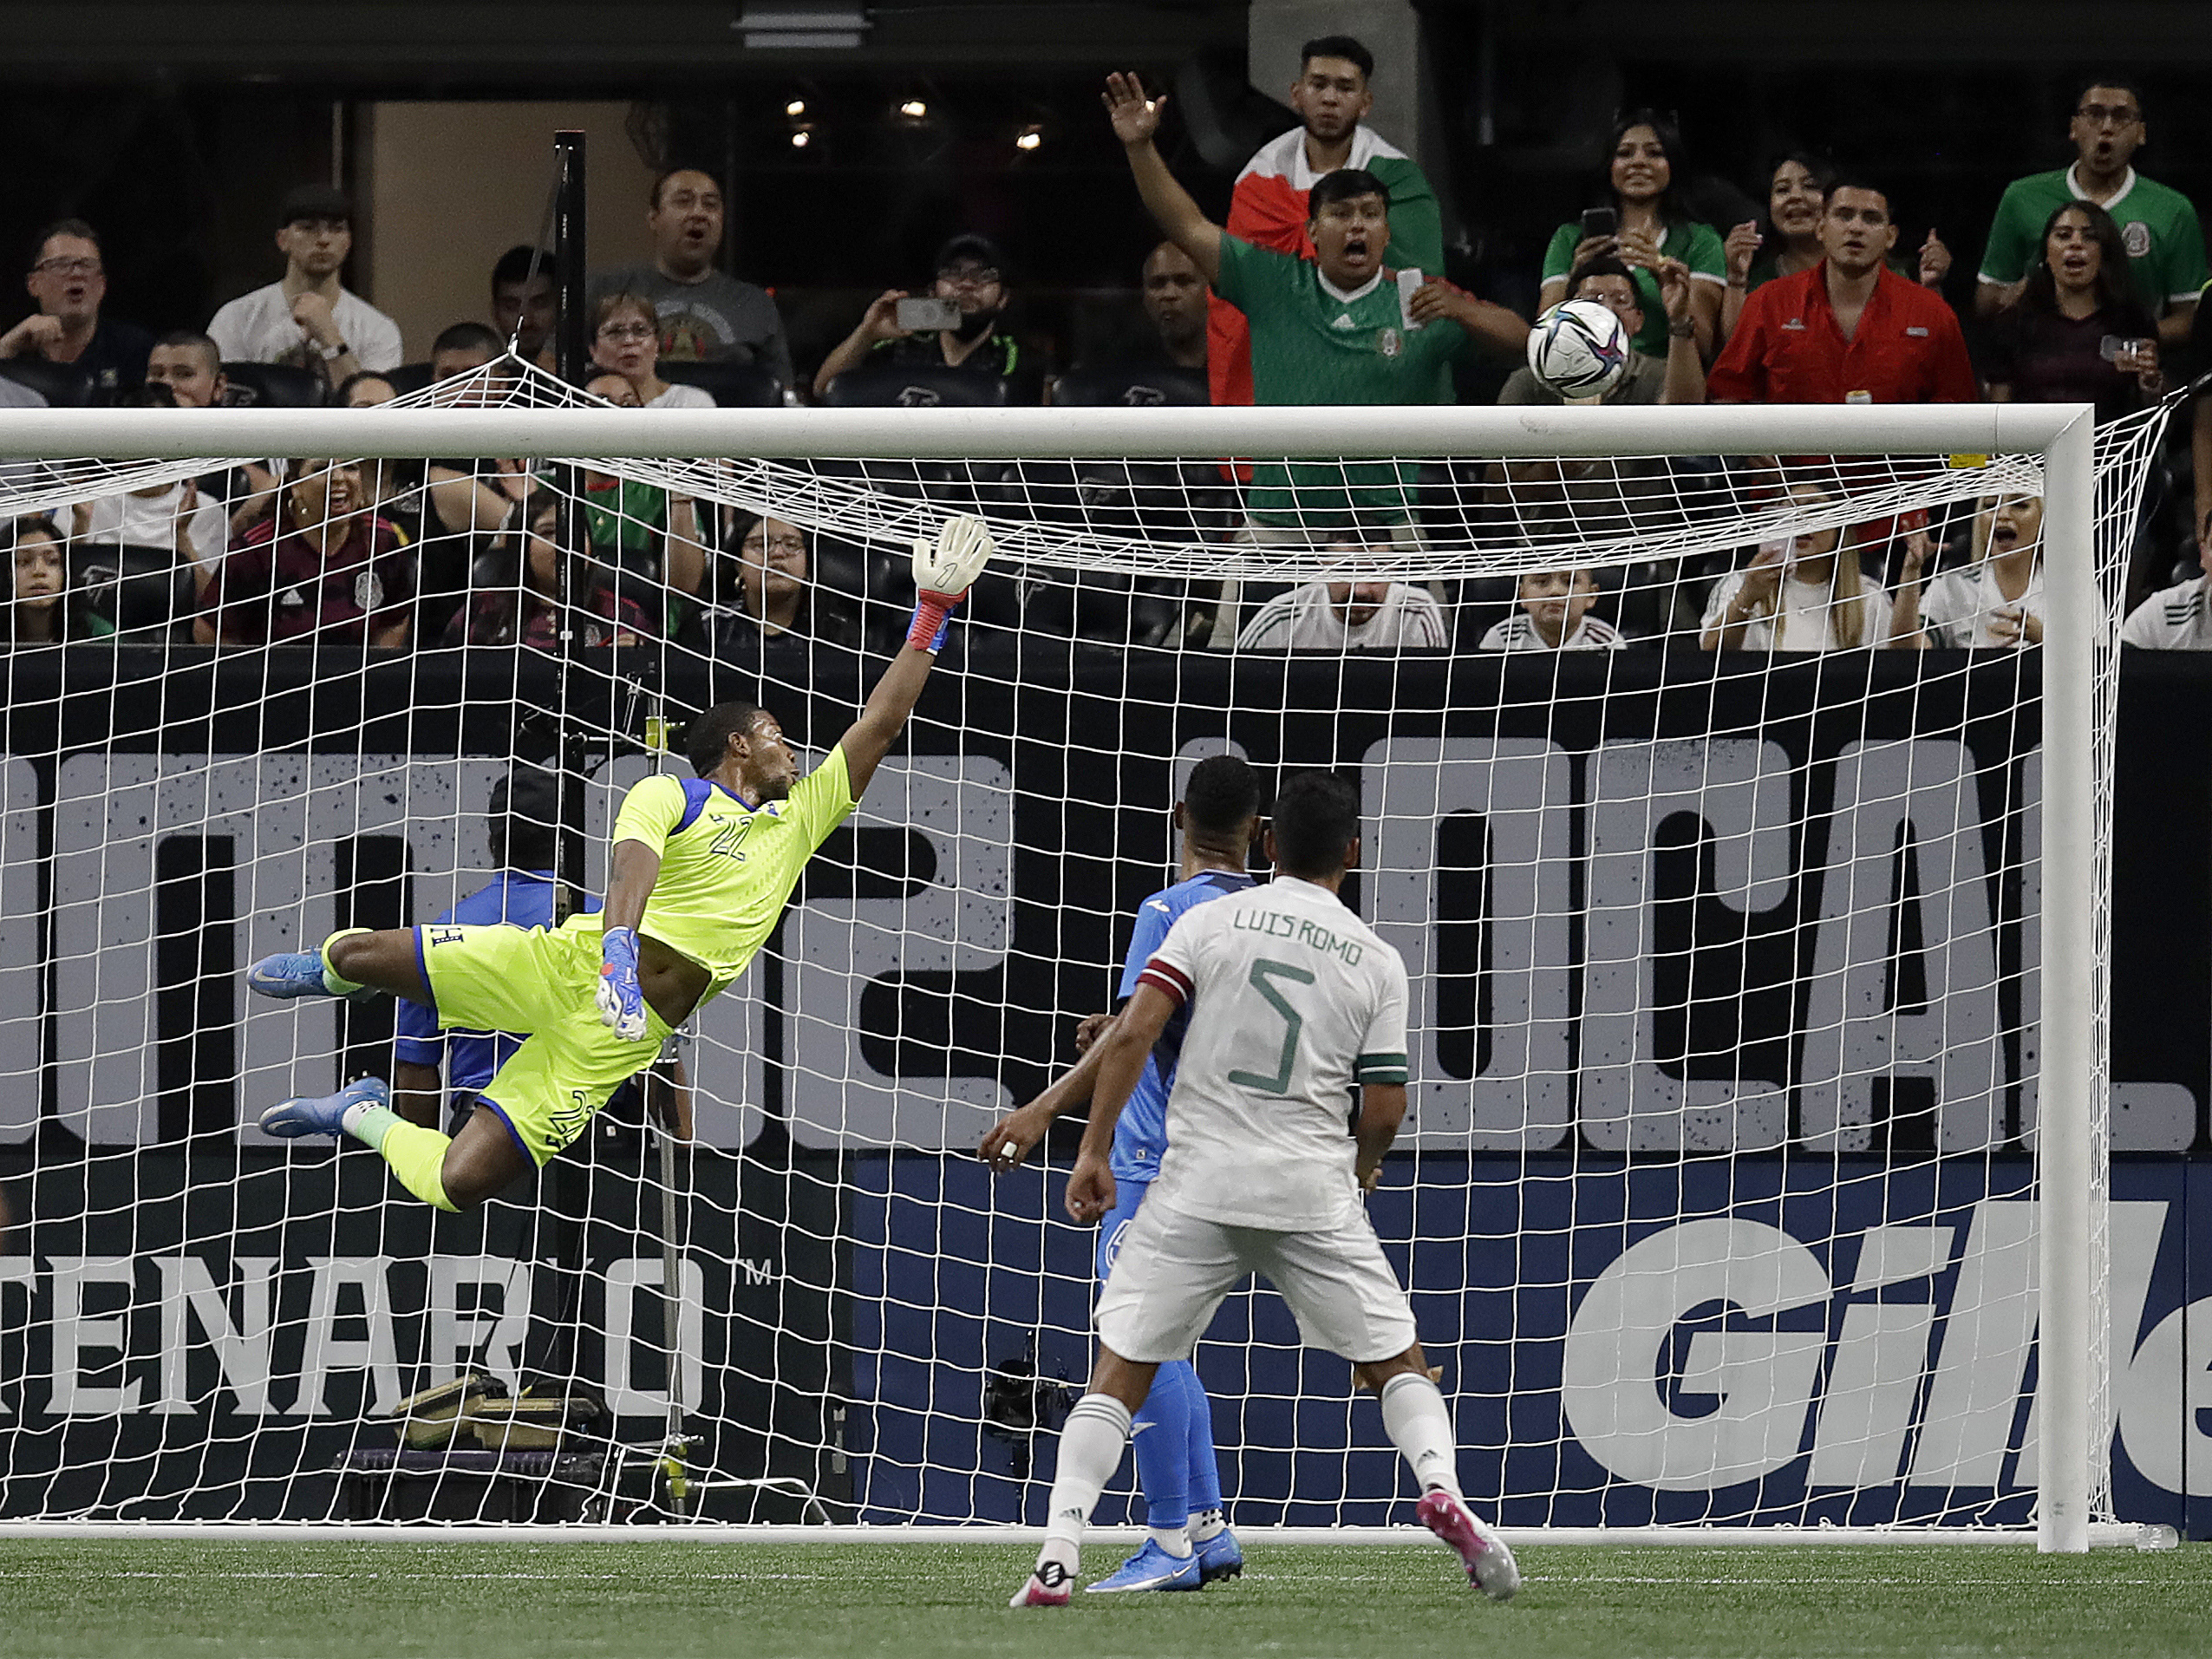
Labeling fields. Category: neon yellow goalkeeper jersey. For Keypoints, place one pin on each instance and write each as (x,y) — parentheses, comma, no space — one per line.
(727,867)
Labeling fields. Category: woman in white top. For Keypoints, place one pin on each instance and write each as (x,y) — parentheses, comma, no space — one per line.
(1998,600)
(1806,594)
(626,341)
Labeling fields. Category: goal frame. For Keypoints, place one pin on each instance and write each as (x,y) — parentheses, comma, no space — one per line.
(2075,625)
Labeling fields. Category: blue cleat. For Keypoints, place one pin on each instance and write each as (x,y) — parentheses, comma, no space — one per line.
(324,1114)
(1220,1556)
(1151,1568)
(295,973)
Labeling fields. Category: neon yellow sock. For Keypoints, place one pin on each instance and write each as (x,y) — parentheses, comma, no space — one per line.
(331,981)
(416,1155)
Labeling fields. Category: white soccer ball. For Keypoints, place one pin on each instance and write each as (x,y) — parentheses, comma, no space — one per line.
(1579,349)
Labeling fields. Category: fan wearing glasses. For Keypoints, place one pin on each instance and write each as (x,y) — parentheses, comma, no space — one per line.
(967,295)
(2158,225)
(70,284)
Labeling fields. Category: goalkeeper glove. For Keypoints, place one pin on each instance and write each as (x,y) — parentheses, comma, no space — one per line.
(943,572)
(620,997)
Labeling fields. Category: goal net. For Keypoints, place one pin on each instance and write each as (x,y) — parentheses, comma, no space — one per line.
(1754,1173)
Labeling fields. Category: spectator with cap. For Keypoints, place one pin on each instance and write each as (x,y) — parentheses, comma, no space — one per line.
(971,273)
(524,306)
(69,282)
(1333,99)
(2158,225)
(706,314)
(306,318)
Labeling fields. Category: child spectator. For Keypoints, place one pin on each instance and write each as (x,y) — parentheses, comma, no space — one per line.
(2178,619)
(2077,334)
(626,341)
(1346,616)
(1806,594)
(2158,225)
(1998,600)
(42,610)
(524,607)
(323,568)
(1643,164)
(1554,616)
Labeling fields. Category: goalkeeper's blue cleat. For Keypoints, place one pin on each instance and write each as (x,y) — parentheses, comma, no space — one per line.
(1488,1562)
(1220,1556)
(1151,1568)
(324,1114)
(294,973)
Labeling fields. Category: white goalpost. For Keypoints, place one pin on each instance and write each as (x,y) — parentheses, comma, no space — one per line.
(1755,1186)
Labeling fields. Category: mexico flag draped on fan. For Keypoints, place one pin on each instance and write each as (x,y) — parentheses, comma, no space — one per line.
(1269,210)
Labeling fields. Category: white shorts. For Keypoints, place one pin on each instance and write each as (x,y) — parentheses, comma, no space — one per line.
(1174,1269)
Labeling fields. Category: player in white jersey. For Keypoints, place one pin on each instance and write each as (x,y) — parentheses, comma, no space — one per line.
(1294,1000)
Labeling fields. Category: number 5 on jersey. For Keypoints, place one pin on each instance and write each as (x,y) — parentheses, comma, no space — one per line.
(1264,973)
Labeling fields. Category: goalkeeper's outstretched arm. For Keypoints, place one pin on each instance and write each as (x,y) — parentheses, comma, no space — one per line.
(944,571)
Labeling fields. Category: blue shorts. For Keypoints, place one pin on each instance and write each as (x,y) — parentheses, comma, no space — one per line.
(1127,1195)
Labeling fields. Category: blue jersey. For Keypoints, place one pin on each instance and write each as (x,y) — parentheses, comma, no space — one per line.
(520,899)
(1141,1135)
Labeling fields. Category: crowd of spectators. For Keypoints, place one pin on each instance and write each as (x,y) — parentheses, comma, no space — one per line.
(1324,286)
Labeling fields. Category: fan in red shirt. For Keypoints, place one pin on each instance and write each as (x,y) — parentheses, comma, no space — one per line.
(325,567)
(1849,330)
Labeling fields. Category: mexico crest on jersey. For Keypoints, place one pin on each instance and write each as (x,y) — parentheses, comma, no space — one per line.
(2135,237)
(1388,342)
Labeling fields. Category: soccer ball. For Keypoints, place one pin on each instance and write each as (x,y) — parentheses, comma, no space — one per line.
(1578,349)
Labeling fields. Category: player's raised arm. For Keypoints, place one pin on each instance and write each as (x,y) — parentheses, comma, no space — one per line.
(1136,119)
(944,571)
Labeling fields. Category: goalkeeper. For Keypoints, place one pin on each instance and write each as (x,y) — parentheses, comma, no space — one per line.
(701,868)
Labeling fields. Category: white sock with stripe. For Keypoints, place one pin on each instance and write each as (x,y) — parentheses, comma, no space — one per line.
(1091,1444)
(1419,1426)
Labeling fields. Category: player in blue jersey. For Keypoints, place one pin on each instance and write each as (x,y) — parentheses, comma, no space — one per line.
(526,805)
(1188,1543)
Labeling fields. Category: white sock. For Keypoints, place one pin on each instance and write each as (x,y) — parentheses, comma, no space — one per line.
(1207,1524)
(1176,1540)
(1419,1426)
(1091,1445)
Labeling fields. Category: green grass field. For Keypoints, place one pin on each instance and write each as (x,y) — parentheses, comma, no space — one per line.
(757,1601)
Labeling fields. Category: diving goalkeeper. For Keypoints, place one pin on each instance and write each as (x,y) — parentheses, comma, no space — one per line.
(701,868)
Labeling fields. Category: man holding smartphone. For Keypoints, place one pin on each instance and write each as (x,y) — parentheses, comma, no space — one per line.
(954,325)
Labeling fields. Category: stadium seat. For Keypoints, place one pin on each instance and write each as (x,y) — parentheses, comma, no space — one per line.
(731,385)
(144,589)
(63,385)
(1137,386)
(409,377)
(920,387)
(274,385)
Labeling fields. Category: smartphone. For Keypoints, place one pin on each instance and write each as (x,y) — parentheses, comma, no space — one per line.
(1409,284)
(924,314)
(1600,221)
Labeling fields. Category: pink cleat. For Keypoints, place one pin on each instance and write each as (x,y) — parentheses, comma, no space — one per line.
(1490,1564)
(1046,1586)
